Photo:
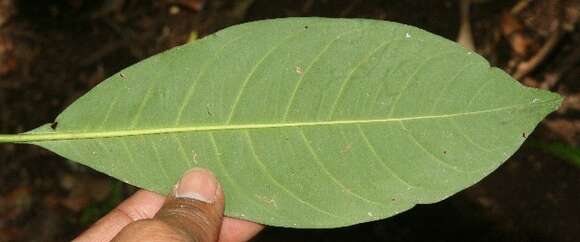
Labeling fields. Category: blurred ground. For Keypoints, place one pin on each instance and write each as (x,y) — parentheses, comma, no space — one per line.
(51,52)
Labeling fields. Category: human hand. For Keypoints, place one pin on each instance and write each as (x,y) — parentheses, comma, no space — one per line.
(193,212)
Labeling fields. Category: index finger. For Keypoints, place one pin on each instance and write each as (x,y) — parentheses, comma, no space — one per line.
(141,205)
(145,204)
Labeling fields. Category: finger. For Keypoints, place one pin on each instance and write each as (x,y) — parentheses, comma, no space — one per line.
(193,212)
(141,205)
(235,230)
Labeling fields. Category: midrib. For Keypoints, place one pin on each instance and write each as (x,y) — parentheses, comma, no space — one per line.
(55,136)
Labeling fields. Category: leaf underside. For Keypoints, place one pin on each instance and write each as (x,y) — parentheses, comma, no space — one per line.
(307,122)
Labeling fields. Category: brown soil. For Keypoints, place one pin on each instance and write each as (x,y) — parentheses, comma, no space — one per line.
(51,52)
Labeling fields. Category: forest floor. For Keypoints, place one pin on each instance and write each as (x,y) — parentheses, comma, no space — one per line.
(51,52)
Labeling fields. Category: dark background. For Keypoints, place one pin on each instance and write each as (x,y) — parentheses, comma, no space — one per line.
(51,52)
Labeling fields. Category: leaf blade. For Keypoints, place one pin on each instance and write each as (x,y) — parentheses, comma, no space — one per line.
(357,119)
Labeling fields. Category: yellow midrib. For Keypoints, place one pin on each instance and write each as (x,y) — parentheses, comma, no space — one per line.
(52,136)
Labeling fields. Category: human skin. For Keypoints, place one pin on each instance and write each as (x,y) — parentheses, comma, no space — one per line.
(192,212)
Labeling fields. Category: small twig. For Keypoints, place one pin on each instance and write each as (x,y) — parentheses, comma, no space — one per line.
(239,12)
(345,12)
(307,6)
(465,36)
(101,53)
(520,6)
(568,63)
(528,66)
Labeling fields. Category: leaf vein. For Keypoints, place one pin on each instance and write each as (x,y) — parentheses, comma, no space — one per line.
(449,84)
(226,173)
(47,136)
(306,71)
(469,139)
(409,79)
(141,106)
(132,160)
(109,110)
(104,148)
(181,149)
(191,88)
(424,149)
(253,71)
(381,160)
(477,93)
(357,66)
(329,174)
(264,170)
(159,161)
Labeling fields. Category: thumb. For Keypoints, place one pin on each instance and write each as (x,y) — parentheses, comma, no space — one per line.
(192,213)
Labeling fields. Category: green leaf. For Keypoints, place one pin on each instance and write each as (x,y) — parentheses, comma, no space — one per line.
(307,122)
